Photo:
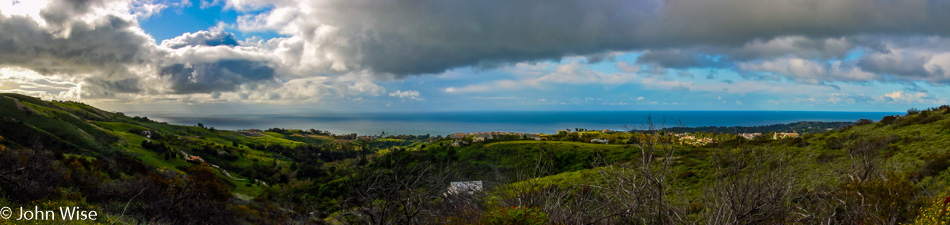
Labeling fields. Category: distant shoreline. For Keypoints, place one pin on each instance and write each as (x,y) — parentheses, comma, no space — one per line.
(444,123)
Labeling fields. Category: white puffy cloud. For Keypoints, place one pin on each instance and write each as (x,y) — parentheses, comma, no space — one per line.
(538,76)
(201,38)
(408,94)
(901,97)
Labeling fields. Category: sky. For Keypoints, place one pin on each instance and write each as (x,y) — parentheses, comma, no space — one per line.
(310,56)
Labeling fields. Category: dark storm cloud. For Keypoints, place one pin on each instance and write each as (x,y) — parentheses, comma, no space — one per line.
(201,38)
(431,36)
(907,65)
(59,12)
(676,59)
(106,47)
(128,85)
(224,75)
(420,37)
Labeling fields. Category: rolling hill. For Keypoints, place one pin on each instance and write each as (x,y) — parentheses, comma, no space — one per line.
(135,170)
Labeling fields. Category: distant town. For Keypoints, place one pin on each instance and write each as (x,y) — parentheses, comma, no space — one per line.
(697,136)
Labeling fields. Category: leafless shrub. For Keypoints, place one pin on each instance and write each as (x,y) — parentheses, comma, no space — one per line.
(392,193)
(751,187)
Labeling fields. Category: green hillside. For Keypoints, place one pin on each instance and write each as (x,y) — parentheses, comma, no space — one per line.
(115,150)
(135,170)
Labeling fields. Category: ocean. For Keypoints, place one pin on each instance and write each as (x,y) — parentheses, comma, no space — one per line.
(443,123)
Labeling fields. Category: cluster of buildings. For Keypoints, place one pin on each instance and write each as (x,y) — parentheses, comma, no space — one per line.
(482,136)
(690,139)
(775,136)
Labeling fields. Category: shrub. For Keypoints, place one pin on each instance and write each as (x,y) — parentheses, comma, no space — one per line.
(934,213)
(516,215)
(934,165)
(863,122)
(888,120)
(913,111)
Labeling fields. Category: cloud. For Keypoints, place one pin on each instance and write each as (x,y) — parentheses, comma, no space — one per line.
(626,67)
(808,71)
(539,76)
(900,96)
(24,81)
(145,9)
(337,48)
(106,44)
(916,59)
(224,75)
(99,50)
(840,98)
(201,38)
(676,58)
(433,36)
(680,88)
(408,94)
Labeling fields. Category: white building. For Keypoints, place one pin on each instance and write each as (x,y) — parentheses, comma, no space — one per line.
(468,187)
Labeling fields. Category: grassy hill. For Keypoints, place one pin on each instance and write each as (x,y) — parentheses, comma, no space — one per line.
(130,148)
(135,170)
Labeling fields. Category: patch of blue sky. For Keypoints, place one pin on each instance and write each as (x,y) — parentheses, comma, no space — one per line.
(853,54)
(173,22)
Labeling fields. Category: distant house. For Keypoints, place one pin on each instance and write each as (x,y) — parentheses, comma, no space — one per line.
(147,133)
(750,135)
(781,135)
(467,187)
(536,137)
(598,140)
(479,137)
(459,135)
